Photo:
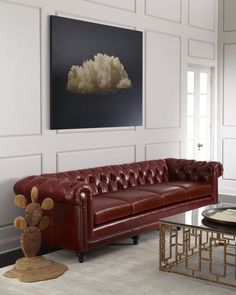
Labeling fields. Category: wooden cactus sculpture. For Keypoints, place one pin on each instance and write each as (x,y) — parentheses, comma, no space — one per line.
(33,222)
(33,268)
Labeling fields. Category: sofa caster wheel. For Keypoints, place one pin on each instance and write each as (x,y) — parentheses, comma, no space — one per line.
(135,240)
(80,256)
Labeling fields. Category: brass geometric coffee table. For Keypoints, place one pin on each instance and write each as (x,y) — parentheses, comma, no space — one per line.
(191,246)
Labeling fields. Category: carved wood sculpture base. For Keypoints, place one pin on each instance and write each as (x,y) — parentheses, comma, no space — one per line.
(35,269)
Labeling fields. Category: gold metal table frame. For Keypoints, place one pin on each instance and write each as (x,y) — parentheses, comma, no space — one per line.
(198,252)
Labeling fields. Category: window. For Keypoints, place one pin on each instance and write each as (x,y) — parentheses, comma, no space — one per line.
(199,113)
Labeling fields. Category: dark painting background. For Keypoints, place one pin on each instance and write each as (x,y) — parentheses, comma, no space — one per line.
(72,43)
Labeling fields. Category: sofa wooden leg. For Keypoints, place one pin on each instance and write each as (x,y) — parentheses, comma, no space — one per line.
(80,256)
(135,240)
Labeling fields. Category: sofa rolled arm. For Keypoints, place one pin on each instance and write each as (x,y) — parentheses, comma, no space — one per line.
(60,190)
(199,171)
(73,199)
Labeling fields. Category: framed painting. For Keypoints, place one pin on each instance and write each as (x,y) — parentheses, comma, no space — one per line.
(95,75)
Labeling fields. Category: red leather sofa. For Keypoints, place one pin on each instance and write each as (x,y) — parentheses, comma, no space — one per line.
(100,205)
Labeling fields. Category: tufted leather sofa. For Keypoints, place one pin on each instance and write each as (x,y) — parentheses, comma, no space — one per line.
(100,205)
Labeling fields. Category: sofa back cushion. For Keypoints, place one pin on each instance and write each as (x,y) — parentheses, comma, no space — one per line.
(111,178)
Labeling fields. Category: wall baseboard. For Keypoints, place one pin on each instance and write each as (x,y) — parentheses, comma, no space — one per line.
(227,198)
(10,257)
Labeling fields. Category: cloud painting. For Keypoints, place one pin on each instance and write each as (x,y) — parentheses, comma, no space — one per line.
(103,74)
(95,75)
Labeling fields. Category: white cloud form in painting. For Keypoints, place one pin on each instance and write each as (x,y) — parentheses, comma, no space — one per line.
(103,74)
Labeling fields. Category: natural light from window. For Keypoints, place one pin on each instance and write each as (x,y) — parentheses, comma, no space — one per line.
(198,113)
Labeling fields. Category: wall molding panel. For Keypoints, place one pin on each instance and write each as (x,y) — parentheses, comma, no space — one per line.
(25,89)
(227,94)
(121,4)
(162,150)
(200,14)
(93,19)
(95,130)
(81,159)
(29,147)
(229,158)
(11,169)
(167,60)
(229,86)
(201,49)
(229,11)
(168,10)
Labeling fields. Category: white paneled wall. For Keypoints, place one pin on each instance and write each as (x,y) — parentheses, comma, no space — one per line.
(201,49)
(200,14)
(175,33)
(229,91)
(169,10)
(227,94)
(20,78)
(229,148)
(122,4)
(163,64)
(163,150)
(95,157)
(11,169)
(228,14)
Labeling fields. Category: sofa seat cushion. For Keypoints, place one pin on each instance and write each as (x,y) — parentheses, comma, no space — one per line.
(139,200)
(108,209)
(194,190)
(169,194)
